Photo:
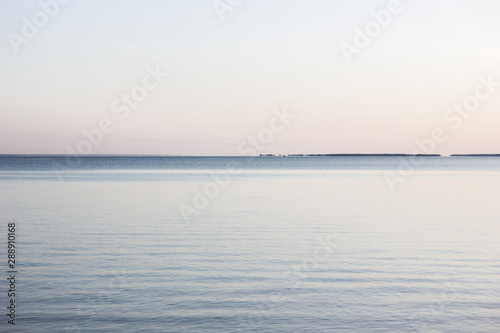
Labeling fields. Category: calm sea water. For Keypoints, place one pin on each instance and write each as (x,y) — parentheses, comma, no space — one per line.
(305,244)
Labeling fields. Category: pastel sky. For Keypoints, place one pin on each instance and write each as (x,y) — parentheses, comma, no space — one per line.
(231,63)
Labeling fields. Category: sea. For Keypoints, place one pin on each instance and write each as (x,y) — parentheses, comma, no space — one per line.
(251,244)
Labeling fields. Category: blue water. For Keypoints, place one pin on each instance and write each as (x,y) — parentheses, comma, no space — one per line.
(221,244)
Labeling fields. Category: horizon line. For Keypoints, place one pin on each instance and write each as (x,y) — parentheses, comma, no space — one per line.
(260,155)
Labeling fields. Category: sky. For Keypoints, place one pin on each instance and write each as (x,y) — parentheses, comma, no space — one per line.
(204,77)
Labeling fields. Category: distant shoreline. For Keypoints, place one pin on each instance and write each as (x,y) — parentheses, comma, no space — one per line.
(347,155)
(261,155)
(475,155)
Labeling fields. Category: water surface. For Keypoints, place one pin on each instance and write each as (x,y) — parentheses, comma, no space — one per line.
(296,244)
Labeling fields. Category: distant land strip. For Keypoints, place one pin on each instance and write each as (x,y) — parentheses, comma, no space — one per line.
(261,155)
(343,155)
(475,155)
